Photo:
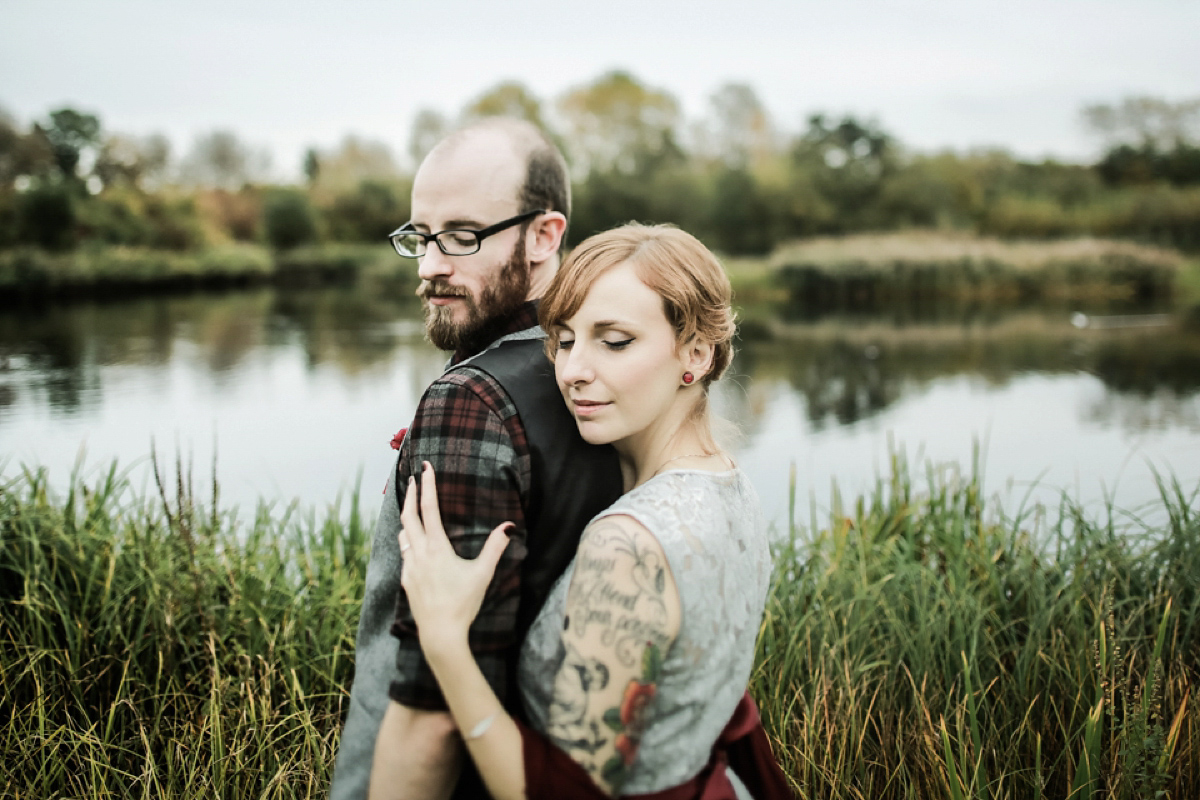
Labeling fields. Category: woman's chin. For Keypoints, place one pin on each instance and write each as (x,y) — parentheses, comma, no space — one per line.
(591,435)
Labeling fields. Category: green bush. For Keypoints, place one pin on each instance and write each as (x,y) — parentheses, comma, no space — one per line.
(46,216)
(288,219)
(368,214)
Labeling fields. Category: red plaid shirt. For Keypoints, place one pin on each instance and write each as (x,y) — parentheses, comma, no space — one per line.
(467,427)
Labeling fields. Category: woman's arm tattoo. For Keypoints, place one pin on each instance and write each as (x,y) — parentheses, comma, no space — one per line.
(622,616)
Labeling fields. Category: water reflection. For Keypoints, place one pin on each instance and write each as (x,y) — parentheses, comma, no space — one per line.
(851,369)
(346,365)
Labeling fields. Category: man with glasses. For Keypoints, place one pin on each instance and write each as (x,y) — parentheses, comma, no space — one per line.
(489,213)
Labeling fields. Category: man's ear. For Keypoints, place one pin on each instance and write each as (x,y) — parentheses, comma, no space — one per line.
(544,236)
(698,357)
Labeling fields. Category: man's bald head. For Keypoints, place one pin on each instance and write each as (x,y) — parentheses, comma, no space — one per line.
(541,182)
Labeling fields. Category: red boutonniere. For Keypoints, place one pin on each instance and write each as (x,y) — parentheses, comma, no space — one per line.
(398,439)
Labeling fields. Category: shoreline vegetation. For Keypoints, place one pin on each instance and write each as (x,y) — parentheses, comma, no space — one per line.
(919,642)
(29,272)
(858,271)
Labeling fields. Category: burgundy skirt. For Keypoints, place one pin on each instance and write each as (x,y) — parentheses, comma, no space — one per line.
(551,774)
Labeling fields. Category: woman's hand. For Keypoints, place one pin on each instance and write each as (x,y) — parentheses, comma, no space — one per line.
(444,591)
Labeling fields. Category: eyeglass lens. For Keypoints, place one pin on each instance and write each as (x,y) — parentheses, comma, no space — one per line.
(452,243)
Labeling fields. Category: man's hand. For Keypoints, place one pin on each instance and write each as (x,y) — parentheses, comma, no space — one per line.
(417,755)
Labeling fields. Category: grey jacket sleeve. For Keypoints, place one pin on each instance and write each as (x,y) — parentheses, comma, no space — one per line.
(374,659)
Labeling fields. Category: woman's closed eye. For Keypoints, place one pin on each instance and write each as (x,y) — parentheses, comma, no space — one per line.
(620,344)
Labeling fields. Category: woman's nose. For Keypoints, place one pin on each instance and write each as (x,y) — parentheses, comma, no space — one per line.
(575,367)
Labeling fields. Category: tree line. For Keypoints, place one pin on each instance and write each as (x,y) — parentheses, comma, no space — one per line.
(733,176)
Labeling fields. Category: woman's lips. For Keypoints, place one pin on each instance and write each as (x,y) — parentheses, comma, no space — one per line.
(585,408)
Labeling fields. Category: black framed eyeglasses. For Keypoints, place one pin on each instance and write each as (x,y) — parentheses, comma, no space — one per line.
(412,244)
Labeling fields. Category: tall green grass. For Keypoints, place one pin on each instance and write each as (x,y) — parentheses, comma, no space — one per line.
(920,644)
(924,646)
(31,271)
(153,647)
(886,270)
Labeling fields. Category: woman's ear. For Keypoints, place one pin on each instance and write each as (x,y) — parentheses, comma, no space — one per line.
(544,237)
(698,357)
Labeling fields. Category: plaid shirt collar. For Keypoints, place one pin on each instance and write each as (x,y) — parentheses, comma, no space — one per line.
(526,316)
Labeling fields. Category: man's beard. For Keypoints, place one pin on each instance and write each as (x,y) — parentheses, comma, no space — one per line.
(498,300)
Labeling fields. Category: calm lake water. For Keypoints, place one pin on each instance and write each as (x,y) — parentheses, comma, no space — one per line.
(298,393)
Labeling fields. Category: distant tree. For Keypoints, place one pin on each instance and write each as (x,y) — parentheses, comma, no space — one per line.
(1148,139)
(847,162)
(618,124)
(428,128)
(738,128)
(155,160)
(940,190)
(10,141)
(506,99)
(368,213)
(220,160)
(46,216)
(231,215)
(1145,122)
(70,133)
(288,219)
(354,161)
(22,155)
(312,165)
(1125,164)
(743,220)
(132,161)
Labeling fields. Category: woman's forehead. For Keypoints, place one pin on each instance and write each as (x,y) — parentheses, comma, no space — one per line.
(618,295)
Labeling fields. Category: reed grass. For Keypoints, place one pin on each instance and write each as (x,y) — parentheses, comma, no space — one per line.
(918,643)
(94,269)
(879,270)
(153,647)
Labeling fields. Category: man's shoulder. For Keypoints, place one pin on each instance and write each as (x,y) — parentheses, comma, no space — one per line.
(467,387)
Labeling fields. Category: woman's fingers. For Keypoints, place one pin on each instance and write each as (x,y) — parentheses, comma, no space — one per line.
(410,519)
(431,515)
(494,547)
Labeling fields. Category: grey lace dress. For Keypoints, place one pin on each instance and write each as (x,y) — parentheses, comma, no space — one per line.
(711,528)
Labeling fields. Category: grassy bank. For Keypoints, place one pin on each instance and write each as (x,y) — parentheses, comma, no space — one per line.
(924,646)
(859,271)
(154,649)
(99,270)
(877,271)
(919,644)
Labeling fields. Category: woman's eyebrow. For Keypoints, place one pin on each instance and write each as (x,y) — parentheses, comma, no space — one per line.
(605,324)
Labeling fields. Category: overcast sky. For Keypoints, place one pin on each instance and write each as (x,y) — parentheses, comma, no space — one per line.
(288,75)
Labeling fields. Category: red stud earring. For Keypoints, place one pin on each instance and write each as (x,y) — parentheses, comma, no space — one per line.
(688,378)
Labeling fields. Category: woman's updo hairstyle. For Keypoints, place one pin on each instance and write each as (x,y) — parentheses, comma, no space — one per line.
(693,286)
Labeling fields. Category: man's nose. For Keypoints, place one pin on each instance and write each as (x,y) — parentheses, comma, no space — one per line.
(434,264)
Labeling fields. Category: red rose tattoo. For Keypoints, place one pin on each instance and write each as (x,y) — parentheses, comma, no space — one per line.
(633,717)
(630,720)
